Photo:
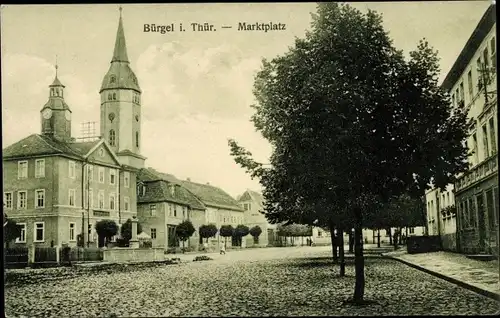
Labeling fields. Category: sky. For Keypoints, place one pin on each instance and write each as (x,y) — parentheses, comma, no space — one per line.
(197,86)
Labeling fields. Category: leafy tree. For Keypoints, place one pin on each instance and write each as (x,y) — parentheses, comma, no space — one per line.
(255,231)
(352,125)
(240,231)
(11,230)
(126,231)
(106,229)
(208,231)
(184,231)
(226,231)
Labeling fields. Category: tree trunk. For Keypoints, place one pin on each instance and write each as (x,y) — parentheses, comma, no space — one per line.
(340,233)
(378,237)
(334,242)
(359,261)
(183,249)
(373,238)
(390,235)
(406,230)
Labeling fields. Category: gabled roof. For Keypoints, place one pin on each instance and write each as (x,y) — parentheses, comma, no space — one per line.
(41,145)
(206,194)
(253,196)
(37,145)
(159,191)
(212,196)
(480,32)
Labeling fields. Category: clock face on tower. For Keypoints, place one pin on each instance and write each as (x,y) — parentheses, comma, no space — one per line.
(67,114)
(47,113)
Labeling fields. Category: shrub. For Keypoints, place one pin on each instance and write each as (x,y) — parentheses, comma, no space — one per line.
(184,231)
(255,231)
(106,229)
(208,231)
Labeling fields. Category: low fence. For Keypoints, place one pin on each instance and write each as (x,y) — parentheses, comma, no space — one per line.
(18,257)
(423,244)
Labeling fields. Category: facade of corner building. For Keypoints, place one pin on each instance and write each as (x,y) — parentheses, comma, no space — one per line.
(56,187)
(472,85)
(252,203)
(441,217)
(165,202)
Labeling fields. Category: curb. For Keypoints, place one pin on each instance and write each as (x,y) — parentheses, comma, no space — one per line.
(452,280)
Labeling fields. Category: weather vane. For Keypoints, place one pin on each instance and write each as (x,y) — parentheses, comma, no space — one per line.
(56,65)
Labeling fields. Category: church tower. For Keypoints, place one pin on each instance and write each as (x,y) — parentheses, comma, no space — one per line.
(121,105)
(55,114)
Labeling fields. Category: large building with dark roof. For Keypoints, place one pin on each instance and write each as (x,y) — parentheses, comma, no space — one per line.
(57,188)
(466,216)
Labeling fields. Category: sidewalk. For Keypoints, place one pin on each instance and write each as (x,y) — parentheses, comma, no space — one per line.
(479,276)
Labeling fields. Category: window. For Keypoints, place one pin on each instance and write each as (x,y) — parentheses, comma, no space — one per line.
(493,52)
(462,93)
(471,85)
(22,169)
(101,199)
(101,152)
(152,209)
(72,228)
(183,212)
(90,172)
(479,70)
(112,176)
(39,168)
(153,234)
(101,174)
(111,137)
(7,200)
(175,211)
(40,198)
(22,237)
(72,170)
(495,202)
(453,102)
(114,96)
(72,197)
(137,139)
(39,232)
(126,179)
(493,141)
(486,57)
(90,199)
(112,79)
(490,209)
(474,147)
(22,199)
(472,213)
(448,198)
(112,200)
(110,97)
(485,142)
(126,203)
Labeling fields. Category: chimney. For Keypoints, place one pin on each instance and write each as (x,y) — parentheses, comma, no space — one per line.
(188,179)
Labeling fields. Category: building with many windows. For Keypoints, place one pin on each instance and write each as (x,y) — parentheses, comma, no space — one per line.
(472,84)
(56,187)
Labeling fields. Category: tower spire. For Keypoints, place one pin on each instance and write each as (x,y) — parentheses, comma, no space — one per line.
(120,52)
(56,66)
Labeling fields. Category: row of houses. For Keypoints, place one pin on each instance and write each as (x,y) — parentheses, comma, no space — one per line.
(466,213)
(57,187)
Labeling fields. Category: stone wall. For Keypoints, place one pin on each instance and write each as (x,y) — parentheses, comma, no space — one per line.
(120,254)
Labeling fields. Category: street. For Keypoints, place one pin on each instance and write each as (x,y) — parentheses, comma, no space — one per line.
(295,281)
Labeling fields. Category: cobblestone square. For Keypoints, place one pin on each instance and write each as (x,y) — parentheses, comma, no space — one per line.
(296,281)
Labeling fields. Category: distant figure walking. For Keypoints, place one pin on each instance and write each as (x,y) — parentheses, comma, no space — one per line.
(312,242)
(223,249)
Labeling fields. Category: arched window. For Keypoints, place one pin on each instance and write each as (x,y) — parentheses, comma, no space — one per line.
(114,96)
(112,79)
(112,137)
(137,139)
(110,96)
